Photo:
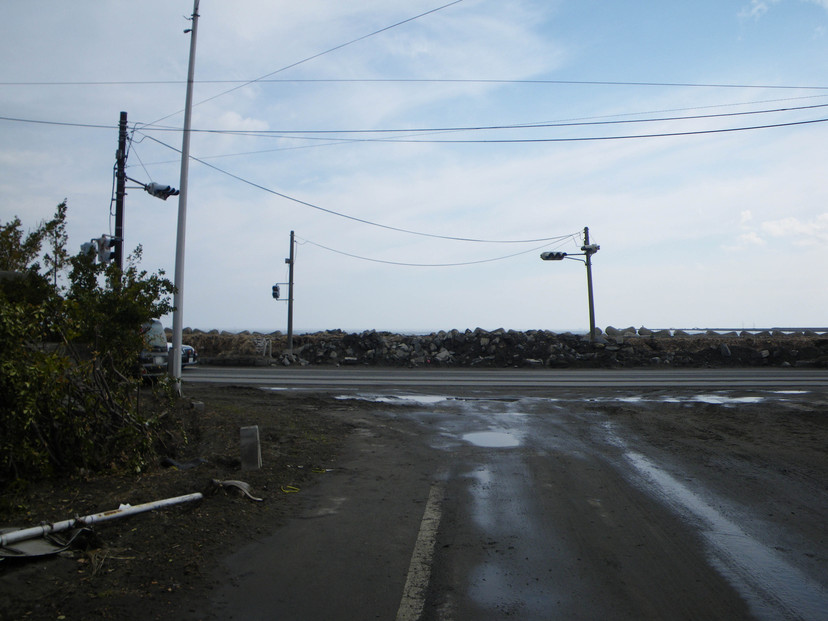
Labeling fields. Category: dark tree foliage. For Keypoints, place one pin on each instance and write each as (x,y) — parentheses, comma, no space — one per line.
(70,337)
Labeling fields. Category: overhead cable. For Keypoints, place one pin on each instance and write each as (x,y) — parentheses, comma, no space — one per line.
(341,141)
(265,79)
(361,220)
(284,133)
(60,123)
(597,138)
(404,264)
(570,139)
(281,133)
(309,58)
(464,141)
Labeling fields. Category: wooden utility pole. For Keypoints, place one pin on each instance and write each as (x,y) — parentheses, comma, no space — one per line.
(290,262)
(590,250)
(120,190)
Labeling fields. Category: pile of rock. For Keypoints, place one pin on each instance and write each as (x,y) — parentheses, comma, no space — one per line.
(627,347)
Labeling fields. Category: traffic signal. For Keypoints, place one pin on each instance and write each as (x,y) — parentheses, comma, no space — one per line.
(90,248)
(105,248)
(553,256)
(160,191)
(275,292)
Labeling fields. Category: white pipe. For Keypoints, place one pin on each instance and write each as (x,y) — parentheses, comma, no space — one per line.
(122,511)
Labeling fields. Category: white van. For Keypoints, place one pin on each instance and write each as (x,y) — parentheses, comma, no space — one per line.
(154,355)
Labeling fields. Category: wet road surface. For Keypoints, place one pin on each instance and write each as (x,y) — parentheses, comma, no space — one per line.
(545,508)
(449,379)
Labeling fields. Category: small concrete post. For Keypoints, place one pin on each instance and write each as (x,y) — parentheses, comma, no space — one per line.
(251,449)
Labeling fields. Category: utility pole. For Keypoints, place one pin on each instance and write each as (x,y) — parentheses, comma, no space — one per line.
(178,297)
(589,250)
(120,190)
(290,262)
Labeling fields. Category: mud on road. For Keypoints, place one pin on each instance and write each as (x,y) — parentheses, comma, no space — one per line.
(760,461)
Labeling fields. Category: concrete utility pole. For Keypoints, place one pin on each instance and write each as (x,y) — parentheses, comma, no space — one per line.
(120,190)
(290,262)
(178,298)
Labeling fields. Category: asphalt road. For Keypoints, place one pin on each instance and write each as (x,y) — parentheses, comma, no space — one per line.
(610,504)
(321,378)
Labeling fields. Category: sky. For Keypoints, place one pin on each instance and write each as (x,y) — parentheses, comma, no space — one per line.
(690,138)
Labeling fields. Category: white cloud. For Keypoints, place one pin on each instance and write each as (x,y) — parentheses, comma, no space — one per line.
(758,8)
(667,212)
(750,239)
(801,233)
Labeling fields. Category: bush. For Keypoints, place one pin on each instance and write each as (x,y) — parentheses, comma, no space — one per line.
(69,344)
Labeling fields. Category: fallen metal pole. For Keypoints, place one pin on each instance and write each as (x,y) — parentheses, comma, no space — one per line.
(122,511)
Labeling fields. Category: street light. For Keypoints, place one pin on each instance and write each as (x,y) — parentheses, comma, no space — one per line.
(588,250)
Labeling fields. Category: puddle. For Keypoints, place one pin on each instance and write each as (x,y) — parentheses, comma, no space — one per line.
(710,399)
(722,399)
(492,439)
(772,587)
(725,400)
(396,399)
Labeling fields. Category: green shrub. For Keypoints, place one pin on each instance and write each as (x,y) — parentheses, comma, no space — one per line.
(69,344)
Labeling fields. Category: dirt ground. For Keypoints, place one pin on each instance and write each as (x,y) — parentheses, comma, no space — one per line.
(151,562)
(159,565)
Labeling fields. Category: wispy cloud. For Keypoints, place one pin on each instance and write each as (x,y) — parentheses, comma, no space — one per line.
(758,8)
(800,232)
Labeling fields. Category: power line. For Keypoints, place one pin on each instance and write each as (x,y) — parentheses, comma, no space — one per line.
(570,139)
(315,56)
(597,138)
(459,141)
(342,141)
(361,220)
(265,79)
(403,264)
(59,123)
(287,133)
(282,133)
(478,141)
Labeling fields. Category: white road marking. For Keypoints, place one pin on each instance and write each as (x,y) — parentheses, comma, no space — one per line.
(419,570)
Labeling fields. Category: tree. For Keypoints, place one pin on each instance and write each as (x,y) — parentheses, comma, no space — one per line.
(69,355)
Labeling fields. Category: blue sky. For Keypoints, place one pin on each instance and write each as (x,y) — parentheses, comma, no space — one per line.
(698,228)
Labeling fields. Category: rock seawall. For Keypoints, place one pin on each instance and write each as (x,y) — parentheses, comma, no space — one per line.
(628,347)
